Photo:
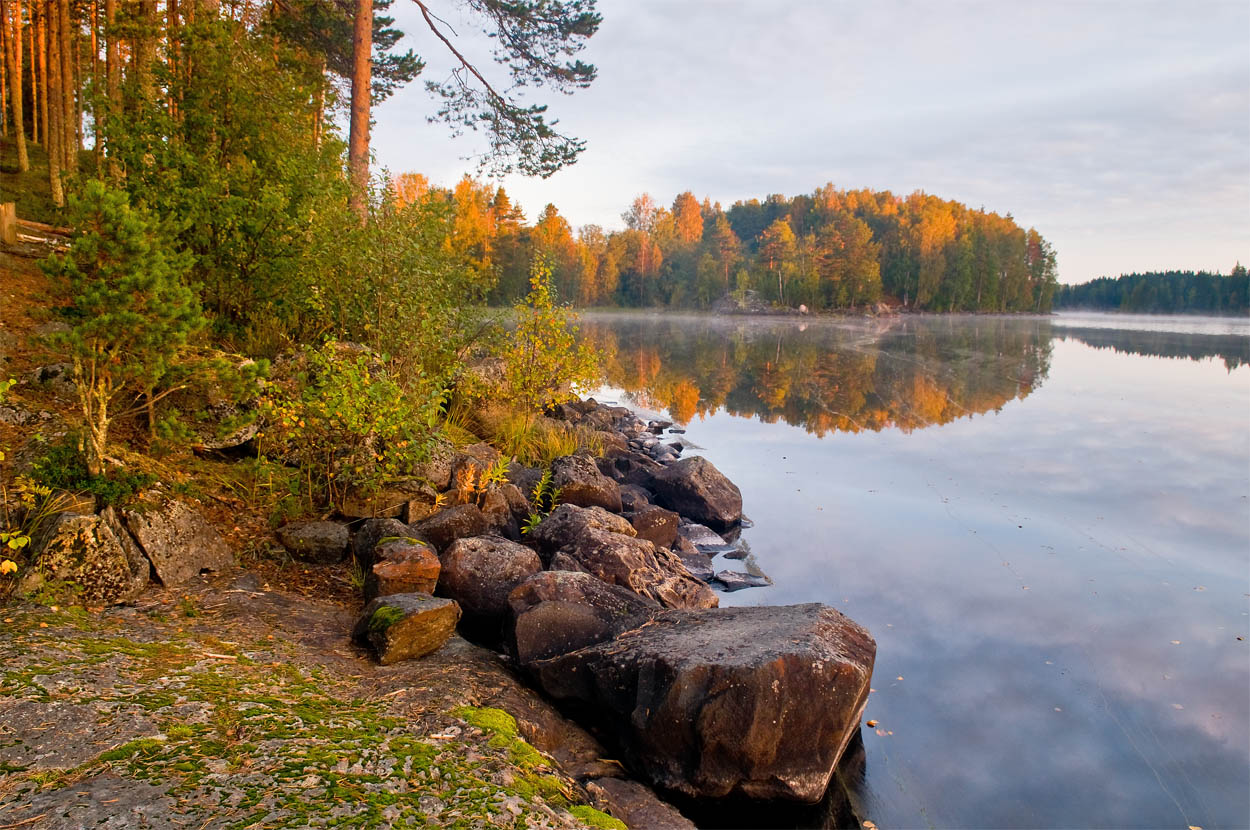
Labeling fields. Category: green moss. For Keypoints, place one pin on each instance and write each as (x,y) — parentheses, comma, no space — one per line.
(487,719)
(384,618)
(596,818)
(144,748)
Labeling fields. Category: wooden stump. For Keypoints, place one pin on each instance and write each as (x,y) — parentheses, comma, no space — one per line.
(8,223)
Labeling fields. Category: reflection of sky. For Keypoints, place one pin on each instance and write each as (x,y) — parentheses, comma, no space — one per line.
(1026,573)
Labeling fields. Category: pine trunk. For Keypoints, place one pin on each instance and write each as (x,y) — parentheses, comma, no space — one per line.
(55,134)
(13,71)
(69,141)
(358,138)
(41,50)
(4,80)
(34,81)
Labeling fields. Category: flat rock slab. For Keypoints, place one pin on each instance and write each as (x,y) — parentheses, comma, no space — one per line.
(406,626)
(178,540)
(730,581)
(759,702)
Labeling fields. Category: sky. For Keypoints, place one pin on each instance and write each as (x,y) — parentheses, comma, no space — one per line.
(1121,131)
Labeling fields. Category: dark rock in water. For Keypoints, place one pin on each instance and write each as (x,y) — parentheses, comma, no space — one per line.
(641,567)
(406,626)
(657,427)
(402,566)
(676,447)
(454,523)
(696,561)
(95,553)
(633,497)
(676,430)
(323,543)
(481,571)
(581,483)
(740,550)
(701,536)
(695,488)
(556,612)
(178,540)
(371,533)
(730,581)
(656,525)
(759,702)
(568,521)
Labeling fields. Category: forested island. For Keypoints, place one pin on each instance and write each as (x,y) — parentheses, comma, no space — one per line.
(1162,292)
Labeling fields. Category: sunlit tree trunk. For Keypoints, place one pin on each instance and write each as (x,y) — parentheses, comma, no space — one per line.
(13,72)
(34,80)
(69,155)
(4,79)
(41,51)
(358,138)
(55,133)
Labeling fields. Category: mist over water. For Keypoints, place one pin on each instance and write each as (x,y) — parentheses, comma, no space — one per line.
(1045,523)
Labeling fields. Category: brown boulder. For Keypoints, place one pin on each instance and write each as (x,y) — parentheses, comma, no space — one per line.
(406,626)
(459,522)
(656,525)
(638,565)
(759,702)
(556,612)
(480,572)
(567,522)
(324,543)
(694,488)
(93,553)
(402,566)
(580,482)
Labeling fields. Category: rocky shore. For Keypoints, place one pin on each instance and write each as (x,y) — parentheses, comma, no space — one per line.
(605,605)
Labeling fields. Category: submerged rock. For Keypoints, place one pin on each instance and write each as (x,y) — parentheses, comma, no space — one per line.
(695,488)
(406,626)
(759,702)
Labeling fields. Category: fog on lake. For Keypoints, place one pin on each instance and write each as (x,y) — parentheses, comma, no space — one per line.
(1044,521)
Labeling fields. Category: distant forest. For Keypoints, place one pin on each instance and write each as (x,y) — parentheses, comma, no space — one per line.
(1165,292)
(831,249)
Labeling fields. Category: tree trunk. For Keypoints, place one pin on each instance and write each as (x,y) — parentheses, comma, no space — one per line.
(53,93)
(4,79)
(13,71)
(319,103)
(112,57)
(144,54)
(358,139)
(34,80)
(69,154)
(41,50)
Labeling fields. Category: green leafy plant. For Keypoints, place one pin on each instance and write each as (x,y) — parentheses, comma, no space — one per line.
(543,359)
(545,496)
(63,466)
(130,312)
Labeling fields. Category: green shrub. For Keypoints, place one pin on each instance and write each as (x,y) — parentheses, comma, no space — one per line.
(62,466)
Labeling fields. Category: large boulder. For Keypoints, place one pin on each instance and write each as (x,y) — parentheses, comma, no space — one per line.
(628,467)
(406,626)
(459,522)
(641,567)
(759,702)
(655,524)
(409,501)
(556,612)
(178,540)
(579,482)
(480,572)
(567,522)
(402,566)
(693,487)
(93,553)
(324,543)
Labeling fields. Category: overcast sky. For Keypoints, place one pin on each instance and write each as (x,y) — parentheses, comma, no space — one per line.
(1121,131)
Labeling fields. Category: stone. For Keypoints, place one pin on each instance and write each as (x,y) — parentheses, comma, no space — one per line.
(641,567)
(95,553)
(635,805)
(555,612)
(758,702)
(406,626)
(567,522)
(459,522)
(517,503)
(696,561)
(564,562)
(481,571)
(656,525)
(694,488)
(730,581)
(178,540)
(402,566)
(702,537)
(633,497)
(580,482)
(324,543)
(494,505)
(629,467)
(610,439)
(409,501)
(371,533)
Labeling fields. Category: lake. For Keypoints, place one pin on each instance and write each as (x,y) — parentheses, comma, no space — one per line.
(1044,522)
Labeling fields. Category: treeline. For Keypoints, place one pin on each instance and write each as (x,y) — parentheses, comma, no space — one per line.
(1164,292)
(832,249)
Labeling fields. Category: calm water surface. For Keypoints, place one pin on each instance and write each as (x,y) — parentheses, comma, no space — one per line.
(1045,523)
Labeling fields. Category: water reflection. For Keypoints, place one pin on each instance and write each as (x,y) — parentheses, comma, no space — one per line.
(1057,586)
